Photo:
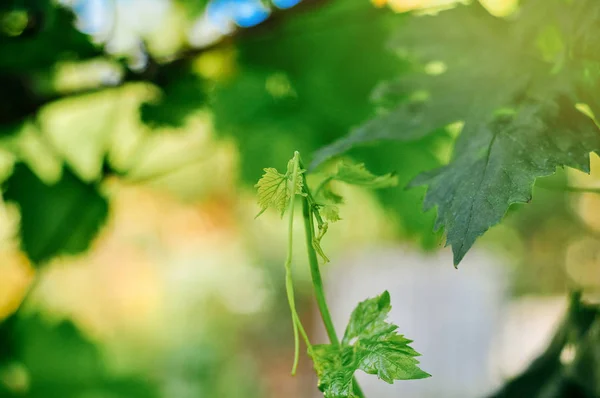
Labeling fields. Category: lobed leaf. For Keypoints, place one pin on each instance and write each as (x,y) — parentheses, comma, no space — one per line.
(274,188)
(514,84)
(496,165)
(335,369)
(370,344)
(330,212)
(368,319)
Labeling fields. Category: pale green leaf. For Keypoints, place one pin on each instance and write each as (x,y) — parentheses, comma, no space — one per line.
(273,191)
(357,174)
(330,212)
(274,188)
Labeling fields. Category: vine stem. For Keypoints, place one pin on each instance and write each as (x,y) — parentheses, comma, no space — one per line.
(315,273)
(317,280)
(289,284)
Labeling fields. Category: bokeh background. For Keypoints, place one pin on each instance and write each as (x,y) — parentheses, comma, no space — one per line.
(158,116)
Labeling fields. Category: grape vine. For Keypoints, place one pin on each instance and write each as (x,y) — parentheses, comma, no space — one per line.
(370,343)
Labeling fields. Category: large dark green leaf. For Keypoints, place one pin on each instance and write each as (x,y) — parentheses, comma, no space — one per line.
(512,83)
(55,219)
(479,70)
(496,164)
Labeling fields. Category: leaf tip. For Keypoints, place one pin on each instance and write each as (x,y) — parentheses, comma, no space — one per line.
(457,259)
(260,212)
(385,299)
(423,375)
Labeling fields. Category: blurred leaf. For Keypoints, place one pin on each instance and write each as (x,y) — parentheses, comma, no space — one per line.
(585,369)
(10,129)
(408,160)
(51,37)
(297,81)
(61,363)
(331,196)
(548,376)
(34,36)
(357,174)
(7,343)
(369,344)
(54,353)
(291,82)
(331,213)
(182,93)
(55,219)
(193,7)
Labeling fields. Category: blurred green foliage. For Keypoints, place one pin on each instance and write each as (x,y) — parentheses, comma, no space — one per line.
(182,93)
(56,360)
(306,82)
(64,222)
(299,81)
(548,376)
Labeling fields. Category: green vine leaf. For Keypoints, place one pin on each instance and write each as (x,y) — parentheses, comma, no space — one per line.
(274,188)
(335,367)
(514,97)
(370,344)
(482,69)
(330,212)
(357,174)
(496,165)
(368,320)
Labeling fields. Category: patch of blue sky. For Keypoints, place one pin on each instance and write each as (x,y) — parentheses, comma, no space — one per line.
(285,3)
(244,13)
(92,15)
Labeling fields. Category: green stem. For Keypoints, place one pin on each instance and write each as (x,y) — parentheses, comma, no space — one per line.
(304,334)
(308,206)
(290,296)
(289,285)
(322,185)
(315,273)
(317,280)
